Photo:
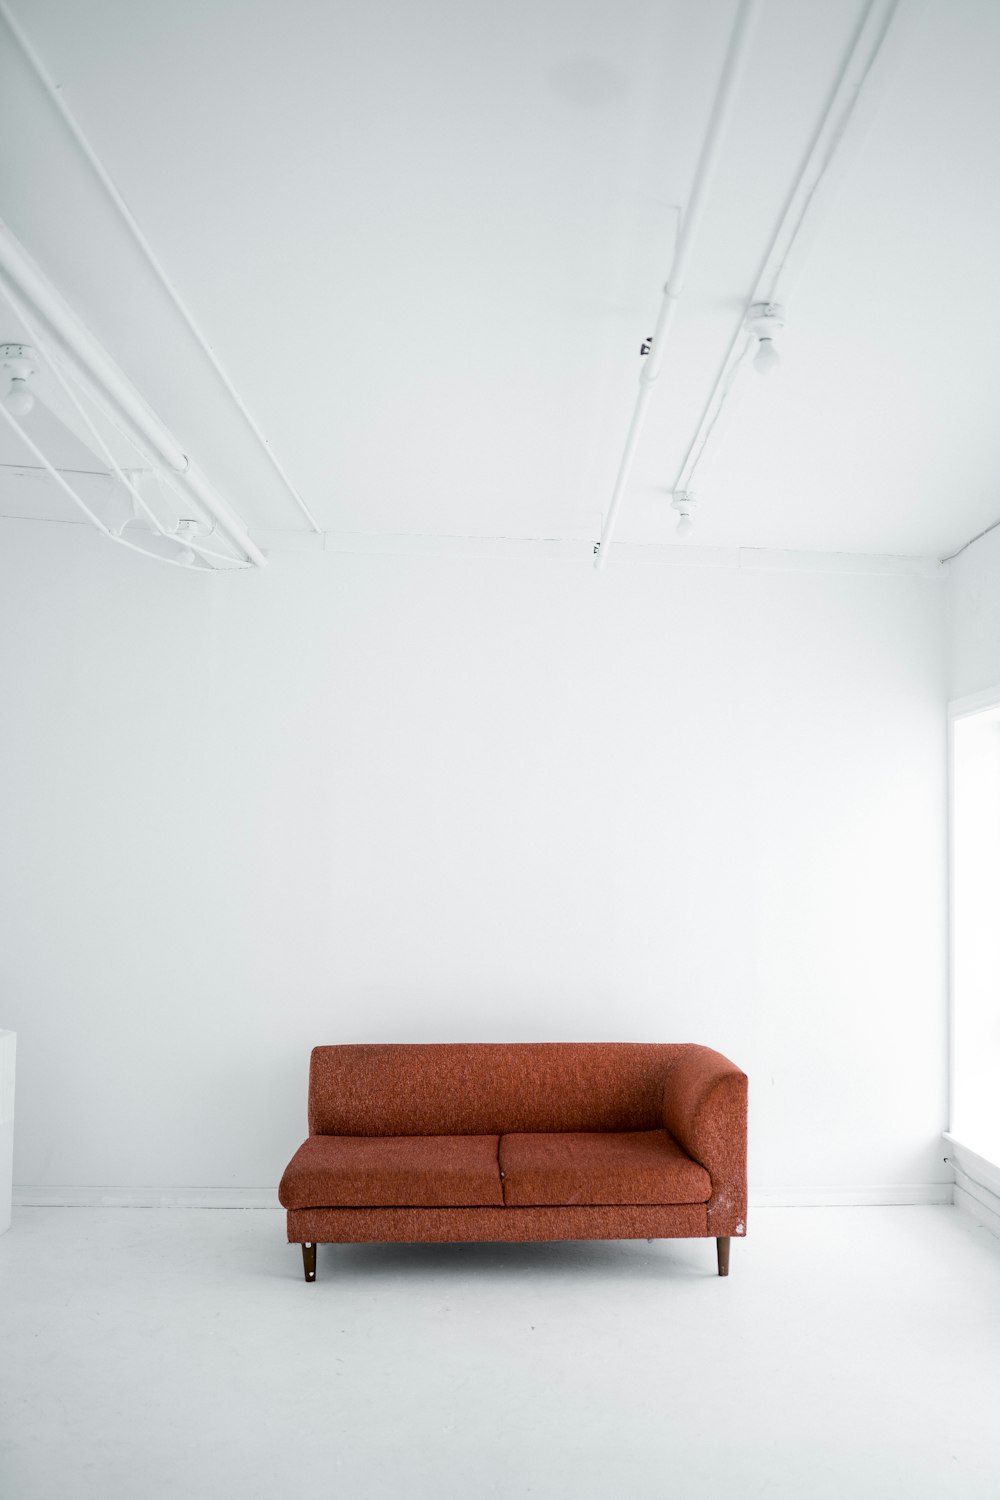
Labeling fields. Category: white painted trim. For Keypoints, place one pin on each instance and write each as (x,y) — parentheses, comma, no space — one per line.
(974,703)
(979,1168)
(973,1204)
(208,1197)
(977,1184)
(885,1195)
(145,1197)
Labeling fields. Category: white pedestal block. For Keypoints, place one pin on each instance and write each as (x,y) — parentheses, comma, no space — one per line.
(8,1043)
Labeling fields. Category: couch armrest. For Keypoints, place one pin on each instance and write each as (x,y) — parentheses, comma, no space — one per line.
(705,1109)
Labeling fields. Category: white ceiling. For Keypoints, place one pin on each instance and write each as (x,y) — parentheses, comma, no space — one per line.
(426,240)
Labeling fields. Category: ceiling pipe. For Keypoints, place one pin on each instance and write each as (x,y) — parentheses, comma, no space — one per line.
(156,265)
(126,478)
(92,516)
(71,343)
(853,92)
(718,120)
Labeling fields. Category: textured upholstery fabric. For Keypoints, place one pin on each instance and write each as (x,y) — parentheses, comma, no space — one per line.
(705,1108)
(416,1169)
(602,1167)
(443,1225)
(406,1098)
(487,1088)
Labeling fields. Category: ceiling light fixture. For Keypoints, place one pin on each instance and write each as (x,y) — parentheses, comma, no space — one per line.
(189,530)
(764,320)
(56,95)
(182,545)
(684,503)
(18,363)
(90,378)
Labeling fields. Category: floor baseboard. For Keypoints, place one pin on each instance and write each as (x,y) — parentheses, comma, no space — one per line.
(145,1197)
(864,1196)
(881,1195)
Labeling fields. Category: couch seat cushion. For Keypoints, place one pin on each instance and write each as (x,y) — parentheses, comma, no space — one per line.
(342,1171)
(608,1166)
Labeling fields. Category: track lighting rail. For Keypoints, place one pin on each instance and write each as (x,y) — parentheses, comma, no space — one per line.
(850,95)
(717,124)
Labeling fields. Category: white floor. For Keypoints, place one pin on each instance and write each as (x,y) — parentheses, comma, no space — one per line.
(178,1353)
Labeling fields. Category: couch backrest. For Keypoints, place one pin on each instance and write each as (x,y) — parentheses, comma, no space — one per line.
(487,1088)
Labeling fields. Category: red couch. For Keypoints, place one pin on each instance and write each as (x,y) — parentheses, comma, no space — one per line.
(519,1141)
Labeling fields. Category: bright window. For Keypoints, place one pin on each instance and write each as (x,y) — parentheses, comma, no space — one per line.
(975,927)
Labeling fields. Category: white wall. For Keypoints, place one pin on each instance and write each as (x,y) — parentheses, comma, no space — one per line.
(464,797)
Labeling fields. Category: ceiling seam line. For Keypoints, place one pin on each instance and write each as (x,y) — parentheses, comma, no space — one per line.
(63,469)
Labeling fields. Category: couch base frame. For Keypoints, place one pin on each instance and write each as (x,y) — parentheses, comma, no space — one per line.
(722,1244)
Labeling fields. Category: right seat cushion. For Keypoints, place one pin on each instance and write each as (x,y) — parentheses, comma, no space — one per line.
(385,1171)
(594,1167)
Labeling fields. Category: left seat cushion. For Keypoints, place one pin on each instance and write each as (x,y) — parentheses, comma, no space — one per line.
(393,1171)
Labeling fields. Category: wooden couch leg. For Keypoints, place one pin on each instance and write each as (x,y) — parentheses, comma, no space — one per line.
(309,1261)
(722,1246)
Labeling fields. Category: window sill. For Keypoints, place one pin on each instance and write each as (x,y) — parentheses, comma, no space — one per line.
(977,1183)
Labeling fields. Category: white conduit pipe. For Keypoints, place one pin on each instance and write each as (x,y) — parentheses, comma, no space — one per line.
(718,120)
(24,285)
(92,516)
(119,473)
(107,182)
(53,472)
(804,202)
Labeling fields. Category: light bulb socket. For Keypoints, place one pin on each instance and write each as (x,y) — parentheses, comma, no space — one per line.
(187,534)
(190,530)
(684,503)
(765,319)
(18,363)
